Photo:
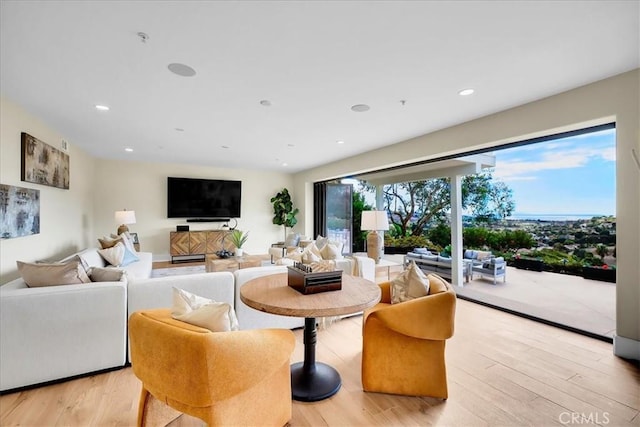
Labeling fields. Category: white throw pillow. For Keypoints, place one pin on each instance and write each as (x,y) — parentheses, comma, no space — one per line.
(113,255)
(203,312)
(311,254)
(411,284)
(127,240)
(321,241)
(119,255)
(331,251)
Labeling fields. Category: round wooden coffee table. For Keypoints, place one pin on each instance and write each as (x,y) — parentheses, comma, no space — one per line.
(310,380)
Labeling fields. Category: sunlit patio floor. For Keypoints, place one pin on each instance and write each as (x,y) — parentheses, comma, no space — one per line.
(583,304)
(588,305)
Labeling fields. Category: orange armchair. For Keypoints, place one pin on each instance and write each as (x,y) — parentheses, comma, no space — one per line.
(403,344)
(223,378)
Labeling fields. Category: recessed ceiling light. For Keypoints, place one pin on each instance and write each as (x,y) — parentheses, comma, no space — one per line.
(128,150)
(340,142)
(285,164)
(466,92)
(360,108)
(265,103)
(181,69)
(102,107)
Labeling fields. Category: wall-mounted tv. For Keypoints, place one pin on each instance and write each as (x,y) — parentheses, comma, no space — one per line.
(203,198)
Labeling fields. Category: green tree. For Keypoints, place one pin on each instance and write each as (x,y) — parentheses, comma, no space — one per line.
(475,237)
(501,197)
(440,235)
(414,206)
(602,251)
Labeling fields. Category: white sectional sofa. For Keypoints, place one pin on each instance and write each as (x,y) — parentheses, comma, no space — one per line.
(56,332)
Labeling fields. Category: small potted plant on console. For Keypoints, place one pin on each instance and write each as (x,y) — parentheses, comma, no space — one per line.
(238,238)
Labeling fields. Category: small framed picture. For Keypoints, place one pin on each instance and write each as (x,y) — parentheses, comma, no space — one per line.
(134,237)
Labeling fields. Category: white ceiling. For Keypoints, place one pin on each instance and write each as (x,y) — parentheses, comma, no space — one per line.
(311,60)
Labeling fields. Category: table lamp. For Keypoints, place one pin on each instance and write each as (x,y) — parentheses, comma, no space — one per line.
(123,218)
(375,221)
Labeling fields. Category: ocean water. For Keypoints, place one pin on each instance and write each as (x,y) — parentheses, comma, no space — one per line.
(552,217)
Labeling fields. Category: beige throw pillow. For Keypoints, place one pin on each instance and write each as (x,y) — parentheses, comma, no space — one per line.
(100,274)
(108,242)
(203,312)
(37,275)
(411,284)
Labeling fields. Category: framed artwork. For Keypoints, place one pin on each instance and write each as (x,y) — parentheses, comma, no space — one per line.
(43,164)
(134,237)
(19,211)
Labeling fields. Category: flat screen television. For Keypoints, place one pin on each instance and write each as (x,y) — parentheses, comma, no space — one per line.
(203,198)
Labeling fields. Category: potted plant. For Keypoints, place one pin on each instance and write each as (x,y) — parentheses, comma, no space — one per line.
(238,238)
(283,211)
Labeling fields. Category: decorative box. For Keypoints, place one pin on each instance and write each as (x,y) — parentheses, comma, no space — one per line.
(307,282)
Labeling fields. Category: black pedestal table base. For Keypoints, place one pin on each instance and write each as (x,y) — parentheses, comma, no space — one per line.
(311,381)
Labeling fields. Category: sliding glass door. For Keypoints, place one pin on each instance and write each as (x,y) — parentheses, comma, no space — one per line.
(333,211)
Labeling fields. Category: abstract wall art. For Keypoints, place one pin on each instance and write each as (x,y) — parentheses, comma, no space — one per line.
(19,211)
(43,164)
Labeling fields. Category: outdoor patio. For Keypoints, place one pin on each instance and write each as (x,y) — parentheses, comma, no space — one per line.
(587,305)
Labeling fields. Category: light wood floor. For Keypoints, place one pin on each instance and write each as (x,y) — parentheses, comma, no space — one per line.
(503,371)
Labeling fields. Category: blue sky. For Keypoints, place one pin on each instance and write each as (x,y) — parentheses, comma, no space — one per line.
(574,175)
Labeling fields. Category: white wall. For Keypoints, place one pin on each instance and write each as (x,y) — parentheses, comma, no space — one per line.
(73,219)
(66,216)
(614,99)
(142,187)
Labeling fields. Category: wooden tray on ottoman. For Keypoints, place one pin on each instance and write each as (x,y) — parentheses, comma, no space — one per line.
(312,283)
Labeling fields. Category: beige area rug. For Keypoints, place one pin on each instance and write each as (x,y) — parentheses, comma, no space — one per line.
(177,271)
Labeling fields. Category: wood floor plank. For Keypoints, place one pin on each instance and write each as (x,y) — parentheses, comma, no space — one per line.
(503,371)
(564,396)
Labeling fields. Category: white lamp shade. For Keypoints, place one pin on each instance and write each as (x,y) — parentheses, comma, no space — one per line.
(125,217)
(374,220)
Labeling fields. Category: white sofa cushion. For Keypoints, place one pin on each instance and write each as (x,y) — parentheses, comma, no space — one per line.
(91,258)
(249,318)
(60,331)
(140,269)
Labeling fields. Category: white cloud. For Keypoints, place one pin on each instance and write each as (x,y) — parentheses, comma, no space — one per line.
(551,156)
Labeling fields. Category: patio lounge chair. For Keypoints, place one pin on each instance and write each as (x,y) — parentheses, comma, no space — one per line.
(493,268)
